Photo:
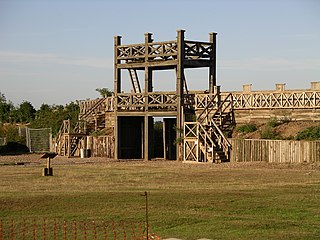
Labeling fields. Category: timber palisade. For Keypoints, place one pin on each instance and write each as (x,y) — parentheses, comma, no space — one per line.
(196,124)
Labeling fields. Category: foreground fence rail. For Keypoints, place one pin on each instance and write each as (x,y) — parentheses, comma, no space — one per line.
(48,229)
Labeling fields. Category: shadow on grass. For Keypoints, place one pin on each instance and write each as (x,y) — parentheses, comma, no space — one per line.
(13,148)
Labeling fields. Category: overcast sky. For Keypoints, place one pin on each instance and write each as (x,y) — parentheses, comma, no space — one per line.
(58,51)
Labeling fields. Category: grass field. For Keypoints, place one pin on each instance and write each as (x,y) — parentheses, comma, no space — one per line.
(186,201)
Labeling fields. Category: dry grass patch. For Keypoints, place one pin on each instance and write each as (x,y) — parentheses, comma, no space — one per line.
(187,201)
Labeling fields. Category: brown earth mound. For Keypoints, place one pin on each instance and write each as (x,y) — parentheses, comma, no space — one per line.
(286,130)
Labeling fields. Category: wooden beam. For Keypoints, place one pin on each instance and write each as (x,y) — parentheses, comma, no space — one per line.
(117,89)
(179,89)
(164,140)
(213,67)
(146,138)
(117,71)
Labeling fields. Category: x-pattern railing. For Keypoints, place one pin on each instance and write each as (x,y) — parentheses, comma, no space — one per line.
(153,101)
(196,50)
(305,99)
(163,50)
(129,52)
(190,133)
(205,100)
(130,101)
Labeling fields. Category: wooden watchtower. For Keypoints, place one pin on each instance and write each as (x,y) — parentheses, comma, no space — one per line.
(134,111)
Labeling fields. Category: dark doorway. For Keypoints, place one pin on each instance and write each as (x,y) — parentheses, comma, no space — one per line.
(158,139)
(130,137)
(169,131)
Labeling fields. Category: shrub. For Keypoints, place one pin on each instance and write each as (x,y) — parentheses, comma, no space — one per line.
(13,148)
(270,133)
(310,133)
(248,128)
(285,119)
(10,132)
(273,122)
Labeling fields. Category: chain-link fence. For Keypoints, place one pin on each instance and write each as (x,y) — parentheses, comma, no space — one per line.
(38,140)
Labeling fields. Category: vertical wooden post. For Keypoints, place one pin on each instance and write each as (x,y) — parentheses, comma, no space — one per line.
(48,162)
(213,67)
(117,72)
(148,72)
(69,145)
(179,90)
(146,138)
(147,89)
(117,89)
(116,137)
(164,139)
(147,215)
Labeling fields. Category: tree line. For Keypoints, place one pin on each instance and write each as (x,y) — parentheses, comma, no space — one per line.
(47,116)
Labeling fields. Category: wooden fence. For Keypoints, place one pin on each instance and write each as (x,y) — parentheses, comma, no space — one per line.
(57,229)
(243,150)
(101,146)
(274,151)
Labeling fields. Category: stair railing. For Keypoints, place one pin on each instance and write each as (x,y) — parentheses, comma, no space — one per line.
(94,107)
(207,110)
(221,140)
(227,103)
(64,129)
(58,139)
(80,127)
(76,145)
(206,140)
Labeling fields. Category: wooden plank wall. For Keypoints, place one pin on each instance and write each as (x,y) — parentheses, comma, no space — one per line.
(101,146)
(264,115)
(274,151)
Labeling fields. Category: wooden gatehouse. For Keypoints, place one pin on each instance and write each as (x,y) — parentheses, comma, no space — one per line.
(196,124)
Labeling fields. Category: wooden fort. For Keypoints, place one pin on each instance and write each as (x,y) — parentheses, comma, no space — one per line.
(196,124)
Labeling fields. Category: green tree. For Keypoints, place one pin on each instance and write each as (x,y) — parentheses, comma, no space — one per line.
(53,116)
(104,92)
(72,111)
(25,112)
(5,109)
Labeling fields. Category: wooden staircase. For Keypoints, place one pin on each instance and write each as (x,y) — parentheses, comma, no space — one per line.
(70,139)
(205,140)
(134,80)
(94,112)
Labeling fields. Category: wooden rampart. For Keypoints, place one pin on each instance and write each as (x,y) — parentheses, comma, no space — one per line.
(296,104)
(274,151)
(299,104)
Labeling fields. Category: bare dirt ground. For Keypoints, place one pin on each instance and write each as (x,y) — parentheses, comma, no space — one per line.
(35,159)
(290,129)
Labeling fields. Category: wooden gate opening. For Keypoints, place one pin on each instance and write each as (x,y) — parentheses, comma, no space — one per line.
(170,138)
(130,137)
(164,138)
(158,140)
